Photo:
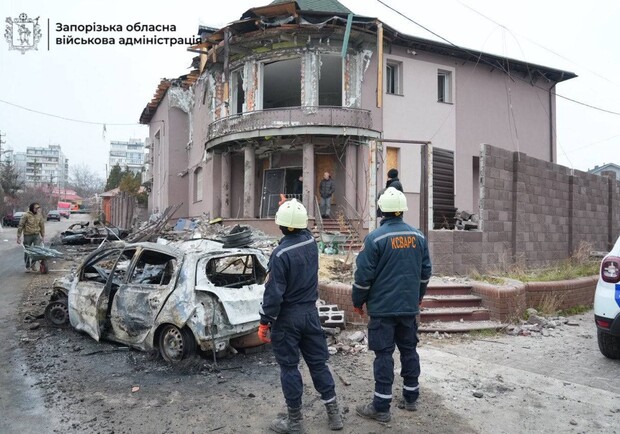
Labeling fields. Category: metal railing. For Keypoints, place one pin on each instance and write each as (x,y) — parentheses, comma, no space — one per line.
(318,218)
(290,117)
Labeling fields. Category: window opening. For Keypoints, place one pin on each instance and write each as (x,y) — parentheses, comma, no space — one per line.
(235,271)
(444,86)
(282,84)
(330,81)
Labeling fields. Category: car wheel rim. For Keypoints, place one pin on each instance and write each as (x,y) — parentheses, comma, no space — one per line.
(173,344)
(58,313)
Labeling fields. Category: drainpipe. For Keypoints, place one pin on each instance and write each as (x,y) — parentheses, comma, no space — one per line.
(551,129)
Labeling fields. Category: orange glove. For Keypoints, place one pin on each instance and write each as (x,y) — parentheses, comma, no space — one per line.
(264,333)
(359,310)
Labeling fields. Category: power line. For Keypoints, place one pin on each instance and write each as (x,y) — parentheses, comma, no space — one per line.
(534,42)
(497,65)
(64,117)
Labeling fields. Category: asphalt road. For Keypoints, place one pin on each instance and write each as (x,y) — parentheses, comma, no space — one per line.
(22,408)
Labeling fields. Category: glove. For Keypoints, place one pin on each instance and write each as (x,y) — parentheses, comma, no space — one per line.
(264,333)
(19,240)
(359,310)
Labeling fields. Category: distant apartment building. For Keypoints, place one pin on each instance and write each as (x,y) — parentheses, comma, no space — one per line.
(128,154)
(43,166)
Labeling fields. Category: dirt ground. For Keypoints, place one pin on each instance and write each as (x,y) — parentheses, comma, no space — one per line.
(473,383)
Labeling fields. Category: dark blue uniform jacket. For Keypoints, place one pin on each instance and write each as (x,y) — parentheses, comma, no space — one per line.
(292,284)
(393,270)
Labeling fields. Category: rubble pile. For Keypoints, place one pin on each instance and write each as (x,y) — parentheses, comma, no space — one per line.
(345,343)
(537,325)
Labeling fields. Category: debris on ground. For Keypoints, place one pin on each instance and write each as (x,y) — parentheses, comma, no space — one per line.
(538,325)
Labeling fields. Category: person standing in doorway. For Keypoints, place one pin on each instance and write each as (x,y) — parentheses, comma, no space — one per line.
(393,270)
(327,188)
(290,321)
(32,226)
(393,180)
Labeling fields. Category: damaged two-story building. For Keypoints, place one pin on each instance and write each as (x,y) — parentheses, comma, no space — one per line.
(301,88)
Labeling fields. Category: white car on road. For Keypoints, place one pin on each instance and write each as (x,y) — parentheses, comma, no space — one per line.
(607,304)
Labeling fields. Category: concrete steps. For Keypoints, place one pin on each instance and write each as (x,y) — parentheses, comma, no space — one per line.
(452,308)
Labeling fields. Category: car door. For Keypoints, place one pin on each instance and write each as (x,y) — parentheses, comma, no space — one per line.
(89,294)
(138,301)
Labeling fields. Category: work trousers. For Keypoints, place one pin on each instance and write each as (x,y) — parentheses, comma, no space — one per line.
(31,240)
(296,331)
(384,334)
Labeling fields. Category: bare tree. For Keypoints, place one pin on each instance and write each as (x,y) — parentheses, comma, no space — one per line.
(85,181)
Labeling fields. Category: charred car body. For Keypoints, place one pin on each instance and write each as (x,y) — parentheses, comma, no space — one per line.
(175,298)
(82,233)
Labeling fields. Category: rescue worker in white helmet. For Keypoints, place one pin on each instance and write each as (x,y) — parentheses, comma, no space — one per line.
(290,320)
(393,270)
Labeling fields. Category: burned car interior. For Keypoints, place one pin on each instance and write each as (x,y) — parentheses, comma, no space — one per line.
(165,297)
(235,271)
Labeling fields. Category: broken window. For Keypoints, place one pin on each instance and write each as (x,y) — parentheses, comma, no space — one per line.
(235,271)
(100,267)
(153,268)
(282,84)
(330,81)
(238,94)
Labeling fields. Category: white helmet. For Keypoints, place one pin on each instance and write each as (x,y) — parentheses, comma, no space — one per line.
(392,200)
(292,214)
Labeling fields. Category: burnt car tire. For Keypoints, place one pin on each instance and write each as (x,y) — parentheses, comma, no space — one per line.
(608,344)
(176,344)
(57,313)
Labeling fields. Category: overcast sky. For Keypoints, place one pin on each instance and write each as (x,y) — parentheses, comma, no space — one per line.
(112,84)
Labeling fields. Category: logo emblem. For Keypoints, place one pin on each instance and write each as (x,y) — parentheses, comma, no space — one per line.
(22,33)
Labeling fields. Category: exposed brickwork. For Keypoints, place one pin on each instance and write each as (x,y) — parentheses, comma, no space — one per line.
(568,293)
(505,302)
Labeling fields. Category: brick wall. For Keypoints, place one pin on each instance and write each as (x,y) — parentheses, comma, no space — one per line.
(532,212)
(568,293)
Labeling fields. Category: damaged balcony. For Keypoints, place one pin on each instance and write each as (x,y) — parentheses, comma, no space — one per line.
(291,120)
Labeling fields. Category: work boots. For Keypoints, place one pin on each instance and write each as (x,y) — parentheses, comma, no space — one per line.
(289,423)
(334,418)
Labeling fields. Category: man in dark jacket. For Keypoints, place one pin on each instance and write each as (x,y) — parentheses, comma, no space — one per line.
(393,180)
(326,190)
(289,314)
(393,270)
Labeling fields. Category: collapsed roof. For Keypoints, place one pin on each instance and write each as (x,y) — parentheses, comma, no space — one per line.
(304,17)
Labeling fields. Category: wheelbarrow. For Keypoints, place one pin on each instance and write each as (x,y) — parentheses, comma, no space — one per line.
(331,241)
(40,254)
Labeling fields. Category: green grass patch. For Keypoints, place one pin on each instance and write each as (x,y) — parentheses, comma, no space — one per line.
(575,310)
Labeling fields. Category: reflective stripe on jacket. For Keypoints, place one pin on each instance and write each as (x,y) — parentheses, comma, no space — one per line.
(293,279)
(393,270)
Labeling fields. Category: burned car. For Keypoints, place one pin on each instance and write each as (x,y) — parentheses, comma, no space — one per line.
(83,233)
(175,298)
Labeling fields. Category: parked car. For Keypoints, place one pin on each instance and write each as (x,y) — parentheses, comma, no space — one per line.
(607,304)
(65,213)
(175,298)
(12,219)
(53,215)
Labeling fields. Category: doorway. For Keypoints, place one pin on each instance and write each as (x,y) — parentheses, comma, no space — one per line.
(275,183)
